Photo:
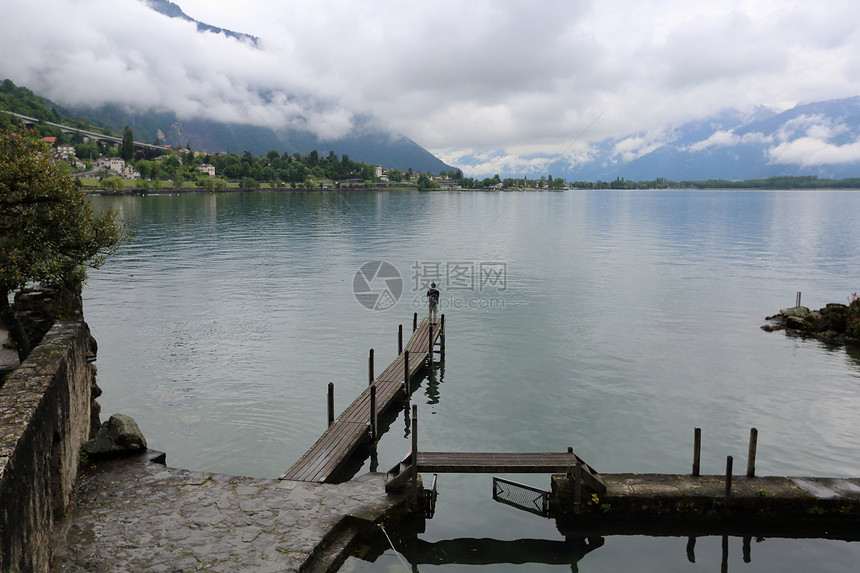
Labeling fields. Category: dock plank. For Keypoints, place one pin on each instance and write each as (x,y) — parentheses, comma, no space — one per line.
(349,430)
(490,462)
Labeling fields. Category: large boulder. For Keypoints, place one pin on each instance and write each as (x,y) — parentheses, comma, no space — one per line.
(118,436)
(8,353)
(834,317)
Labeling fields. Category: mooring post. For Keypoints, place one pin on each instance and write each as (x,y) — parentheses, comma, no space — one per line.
(373,419)
(406,373)
(751,456)
(430,345)
(414,321)
(370,368)
(577,486)
(697,451)
(729,461)
(414,454)
(442,339)
(399,339)
(330,403)
(798,299)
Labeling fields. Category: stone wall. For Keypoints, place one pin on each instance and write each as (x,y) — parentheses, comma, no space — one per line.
(45,417)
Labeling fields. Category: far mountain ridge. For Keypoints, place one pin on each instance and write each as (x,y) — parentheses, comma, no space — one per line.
(172,10)
(816,138)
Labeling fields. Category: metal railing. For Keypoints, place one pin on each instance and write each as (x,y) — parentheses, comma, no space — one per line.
(521,496)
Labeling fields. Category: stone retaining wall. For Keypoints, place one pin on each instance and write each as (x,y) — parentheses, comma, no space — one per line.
(45,417)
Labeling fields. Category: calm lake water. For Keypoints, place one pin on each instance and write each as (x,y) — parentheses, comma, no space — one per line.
(613,322)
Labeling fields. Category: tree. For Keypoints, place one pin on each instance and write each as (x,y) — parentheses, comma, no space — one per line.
(48,232)
(424,183)
(127,148)
(113,183)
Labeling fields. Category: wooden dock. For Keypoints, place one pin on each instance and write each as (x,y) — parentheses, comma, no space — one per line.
(357,424)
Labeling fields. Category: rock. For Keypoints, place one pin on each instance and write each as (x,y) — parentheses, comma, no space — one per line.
(797,311)
(833,317)
(796,322)
(119,435)
(8,353)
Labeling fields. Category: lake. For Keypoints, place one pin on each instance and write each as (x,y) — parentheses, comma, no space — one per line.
(611,321)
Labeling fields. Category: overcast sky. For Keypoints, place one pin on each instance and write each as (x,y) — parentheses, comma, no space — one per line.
(495,79)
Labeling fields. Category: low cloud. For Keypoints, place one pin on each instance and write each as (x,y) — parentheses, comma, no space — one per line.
(808,140)
(634,147)
(728,138)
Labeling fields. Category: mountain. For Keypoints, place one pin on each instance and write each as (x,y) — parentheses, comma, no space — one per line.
(365,144)
(820,138)
(171,10)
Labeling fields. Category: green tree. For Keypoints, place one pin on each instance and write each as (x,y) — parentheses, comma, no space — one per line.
(127,147)
(424,182)
(146,169)
(113,183)
(48,232)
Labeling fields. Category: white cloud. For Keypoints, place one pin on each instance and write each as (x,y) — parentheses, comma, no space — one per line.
(515,76)
(807,140)
(728,138)
(636,146)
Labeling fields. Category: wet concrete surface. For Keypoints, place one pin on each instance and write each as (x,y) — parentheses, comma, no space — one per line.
(134,514)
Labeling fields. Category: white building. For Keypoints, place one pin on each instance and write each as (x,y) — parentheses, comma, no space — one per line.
(207,168)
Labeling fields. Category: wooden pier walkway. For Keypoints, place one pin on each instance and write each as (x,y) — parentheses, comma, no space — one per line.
(356,424)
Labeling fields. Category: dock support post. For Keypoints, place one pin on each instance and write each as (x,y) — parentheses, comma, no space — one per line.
(752,450)
(729,461)
(414,321)
(724,562)
(442,339)
(430,345)
(370,368)
(577,487)
(399,339)
(330,403)
(697,451)
(373,419)
(746,549)
(406,373)
(798,299)
(414,469)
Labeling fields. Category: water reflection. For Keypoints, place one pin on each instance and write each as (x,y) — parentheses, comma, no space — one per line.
(567,552)
(470,551)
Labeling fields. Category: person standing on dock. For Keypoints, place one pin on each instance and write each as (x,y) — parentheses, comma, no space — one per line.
(433,299)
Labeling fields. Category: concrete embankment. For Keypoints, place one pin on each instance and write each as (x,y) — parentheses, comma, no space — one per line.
(690,505)
(133,514)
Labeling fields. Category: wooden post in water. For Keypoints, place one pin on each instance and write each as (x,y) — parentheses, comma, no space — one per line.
(430,344)
(414,321)
(442,339)
(414,468)
(729,461)
(724,562)
(798,299)
(370,368)
(697,451)
(752,450)
(330,403)
(399,339)
(577,486)
(373,419)
(406,373)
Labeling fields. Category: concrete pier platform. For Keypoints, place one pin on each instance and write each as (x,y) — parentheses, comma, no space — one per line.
(134,514)
(689,505)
